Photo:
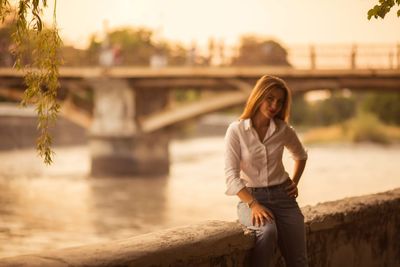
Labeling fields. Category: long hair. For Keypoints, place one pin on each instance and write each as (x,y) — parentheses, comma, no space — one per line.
(262,88)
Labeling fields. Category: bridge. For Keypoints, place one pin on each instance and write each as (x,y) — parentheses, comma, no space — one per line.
(231,87)
(133,107)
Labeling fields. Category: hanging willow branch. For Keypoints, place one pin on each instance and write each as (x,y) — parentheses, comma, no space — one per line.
(382,8)
(41,74)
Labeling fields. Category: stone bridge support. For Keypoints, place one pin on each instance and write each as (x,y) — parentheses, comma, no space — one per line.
(117,144)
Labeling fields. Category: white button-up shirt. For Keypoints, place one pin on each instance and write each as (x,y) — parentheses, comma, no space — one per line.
(252,163)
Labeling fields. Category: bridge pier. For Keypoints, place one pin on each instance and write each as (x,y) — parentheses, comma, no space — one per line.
(117,146)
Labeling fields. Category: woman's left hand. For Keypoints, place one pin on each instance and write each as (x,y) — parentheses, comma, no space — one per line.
(292,190)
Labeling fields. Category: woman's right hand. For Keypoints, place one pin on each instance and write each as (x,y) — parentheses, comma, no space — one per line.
(260,215)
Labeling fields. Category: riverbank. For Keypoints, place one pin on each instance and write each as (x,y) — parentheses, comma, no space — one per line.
(352,132)
(364,127)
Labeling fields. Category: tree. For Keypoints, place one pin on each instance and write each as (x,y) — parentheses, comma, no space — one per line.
(384,105)
(41,74)
(257,51)
(380,10)
(6,29)
(136,46)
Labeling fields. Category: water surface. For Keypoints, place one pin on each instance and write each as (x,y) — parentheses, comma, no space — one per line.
(59,206)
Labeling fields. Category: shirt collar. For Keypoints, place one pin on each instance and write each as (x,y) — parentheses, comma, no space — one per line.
(248,125)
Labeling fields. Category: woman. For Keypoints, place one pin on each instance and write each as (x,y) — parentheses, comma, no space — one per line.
(255,173)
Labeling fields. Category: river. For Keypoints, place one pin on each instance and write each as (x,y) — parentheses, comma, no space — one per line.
(59,206)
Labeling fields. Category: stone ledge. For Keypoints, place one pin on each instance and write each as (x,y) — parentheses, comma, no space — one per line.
(356,231)
(331,214)
(193,245)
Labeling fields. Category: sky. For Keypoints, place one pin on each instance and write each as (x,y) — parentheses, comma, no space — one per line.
(186,21)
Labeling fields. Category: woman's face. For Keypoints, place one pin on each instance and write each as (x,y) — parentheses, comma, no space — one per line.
(272,103)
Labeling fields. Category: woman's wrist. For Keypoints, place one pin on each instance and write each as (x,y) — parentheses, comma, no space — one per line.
(295,181)
(251,203)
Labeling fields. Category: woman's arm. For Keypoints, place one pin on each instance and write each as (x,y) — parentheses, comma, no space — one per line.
(299,166)
(232,162)
(298,169)
(300,156)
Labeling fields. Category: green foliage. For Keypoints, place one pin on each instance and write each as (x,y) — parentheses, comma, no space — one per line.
(136,47)
(299,112)
(338,108)
(366,127)
(41,74)
(42,84)
(362,117)
(385,105)
(380,10)
(334,109)
(5,9)
(363,127)
(258,51)
(92,52)
(6,30)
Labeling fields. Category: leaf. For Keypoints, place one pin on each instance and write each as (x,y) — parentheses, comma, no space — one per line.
(42,74)
(371,13)
(382,9)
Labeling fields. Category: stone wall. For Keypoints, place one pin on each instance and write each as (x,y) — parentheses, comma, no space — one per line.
(212,243)
(359,231)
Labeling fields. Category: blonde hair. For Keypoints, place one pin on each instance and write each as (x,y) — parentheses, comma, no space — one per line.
(262,88)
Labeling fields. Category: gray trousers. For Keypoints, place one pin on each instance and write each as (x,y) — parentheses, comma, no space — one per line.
(287,230)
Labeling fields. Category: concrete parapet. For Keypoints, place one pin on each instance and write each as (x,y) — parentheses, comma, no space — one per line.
(358,231)
(212,243)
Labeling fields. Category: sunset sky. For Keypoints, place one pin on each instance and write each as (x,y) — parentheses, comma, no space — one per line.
(186,21)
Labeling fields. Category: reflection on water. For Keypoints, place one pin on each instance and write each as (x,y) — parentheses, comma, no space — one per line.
(59,206)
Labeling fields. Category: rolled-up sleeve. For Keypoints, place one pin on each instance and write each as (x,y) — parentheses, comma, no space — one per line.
(293,144)
(232,161)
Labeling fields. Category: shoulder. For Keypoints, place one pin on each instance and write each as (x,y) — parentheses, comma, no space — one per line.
(235,124)
(281,125)
(235,127)
(284,126)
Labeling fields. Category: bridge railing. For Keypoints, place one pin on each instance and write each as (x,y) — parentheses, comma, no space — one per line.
(330,56)
(300,56)
(345,56)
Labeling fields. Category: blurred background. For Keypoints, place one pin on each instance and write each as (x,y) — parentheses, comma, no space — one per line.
(352,136)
